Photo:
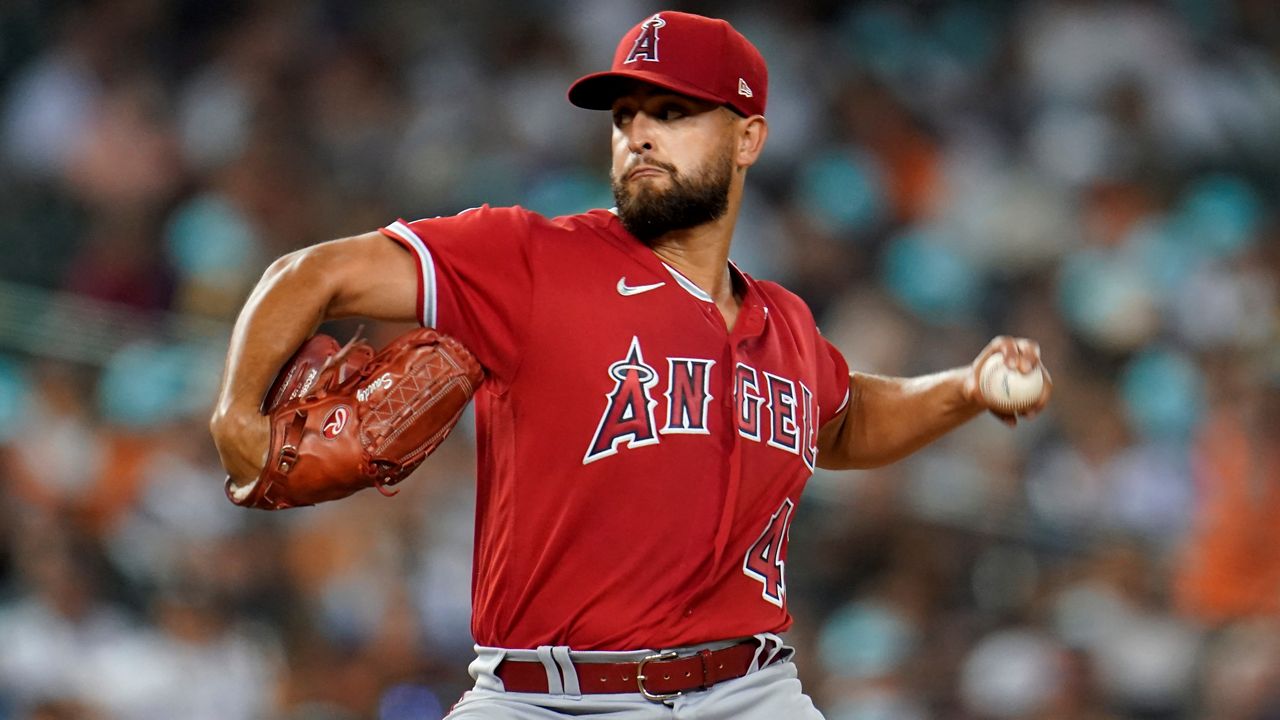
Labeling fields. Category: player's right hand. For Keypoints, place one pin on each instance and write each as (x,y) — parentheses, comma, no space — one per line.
(242,440)
(1022,355)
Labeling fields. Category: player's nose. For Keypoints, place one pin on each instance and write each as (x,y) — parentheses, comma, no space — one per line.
(640,133)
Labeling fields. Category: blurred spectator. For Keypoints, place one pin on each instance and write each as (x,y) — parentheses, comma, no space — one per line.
(1242,672)
(59,623)
(194,663)
(1013,673)
(1224,576)
(57,452)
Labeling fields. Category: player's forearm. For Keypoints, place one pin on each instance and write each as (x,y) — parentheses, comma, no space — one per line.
(283,310)
(365,275)
(889,418)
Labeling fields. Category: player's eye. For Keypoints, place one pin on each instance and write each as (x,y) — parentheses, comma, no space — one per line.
(671,112)
(621,117)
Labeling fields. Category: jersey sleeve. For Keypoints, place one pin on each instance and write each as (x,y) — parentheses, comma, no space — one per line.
(474,280)
(833,372)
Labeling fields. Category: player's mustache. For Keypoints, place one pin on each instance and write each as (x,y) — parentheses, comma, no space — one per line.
(649,163)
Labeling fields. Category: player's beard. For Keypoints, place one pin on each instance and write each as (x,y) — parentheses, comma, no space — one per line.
(690,201)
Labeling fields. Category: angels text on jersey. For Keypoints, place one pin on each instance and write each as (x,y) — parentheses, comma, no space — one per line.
(777,411)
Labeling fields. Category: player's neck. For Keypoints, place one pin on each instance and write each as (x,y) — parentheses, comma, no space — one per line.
(702,254)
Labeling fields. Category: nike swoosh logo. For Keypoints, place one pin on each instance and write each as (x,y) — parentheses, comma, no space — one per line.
(624,289)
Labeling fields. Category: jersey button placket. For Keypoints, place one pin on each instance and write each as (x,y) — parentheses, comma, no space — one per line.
(729,391)
(714,317)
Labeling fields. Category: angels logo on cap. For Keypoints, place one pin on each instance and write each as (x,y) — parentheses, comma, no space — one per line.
(646,45)
(701,57)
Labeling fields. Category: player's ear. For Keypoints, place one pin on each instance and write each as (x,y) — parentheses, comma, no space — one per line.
(751,134)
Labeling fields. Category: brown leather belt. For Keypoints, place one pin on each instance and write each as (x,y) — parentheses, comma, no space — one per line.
(659,677)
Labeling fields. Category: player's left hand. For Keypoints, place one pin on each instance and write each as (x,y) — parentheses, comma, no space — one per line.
(346,418)
(1021,355)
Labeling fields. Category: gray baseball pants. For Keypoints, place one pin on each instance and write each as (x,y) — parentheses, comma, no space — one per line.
(771,692)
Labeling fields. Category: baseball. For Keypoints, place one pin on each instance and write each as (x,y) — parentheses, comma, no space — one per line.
(1006,389)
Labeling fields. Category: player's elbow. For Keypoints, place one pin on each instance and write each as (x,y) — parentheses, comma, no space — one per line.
(834,451)
(360,276)
(853,446)
(847,441)
(306,264)
(830,461)
(287,269)
(310,277)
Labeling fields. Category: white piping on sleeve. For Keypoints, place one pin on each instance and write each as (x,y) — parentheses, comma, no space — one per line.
(427,268)
(844,403)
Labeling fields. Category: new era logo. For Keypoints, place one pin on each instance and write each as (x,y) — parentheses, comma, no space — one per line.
(744,89)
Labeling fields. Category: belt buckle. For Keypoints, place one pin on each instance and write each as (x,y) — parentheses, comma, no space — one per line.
(640,677)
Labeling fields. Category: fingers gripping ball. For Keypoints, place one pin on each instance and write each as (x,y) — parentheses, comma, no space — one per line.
(348,418)
(1006,389)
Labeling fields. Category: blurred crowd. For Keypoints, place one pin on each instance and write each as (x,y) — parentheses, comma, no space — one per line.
(1101,175)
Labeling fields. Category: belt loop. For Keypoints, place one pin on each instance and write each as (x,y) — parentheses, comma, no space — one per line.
(778,646)
(560,653)
(708,673)
(485,668)
(768,645)
(755,659)
(555,686)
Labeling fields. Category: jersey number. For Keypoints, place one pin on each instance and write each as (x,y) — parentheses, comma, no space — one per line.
(764,560)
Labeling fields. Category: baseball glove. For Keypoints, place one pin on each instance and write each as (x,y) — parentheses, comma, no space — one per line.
(344,418)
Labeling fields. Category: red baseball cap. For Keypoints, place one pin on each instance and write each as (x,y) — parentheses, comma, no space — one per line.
(693,55)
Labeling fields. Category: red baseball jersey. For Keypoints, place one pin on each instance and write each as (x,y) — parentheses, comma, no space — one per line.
(639,463)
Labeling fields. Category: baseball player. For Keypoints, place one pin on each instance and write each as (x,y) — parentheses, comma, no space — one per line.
(650,413)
